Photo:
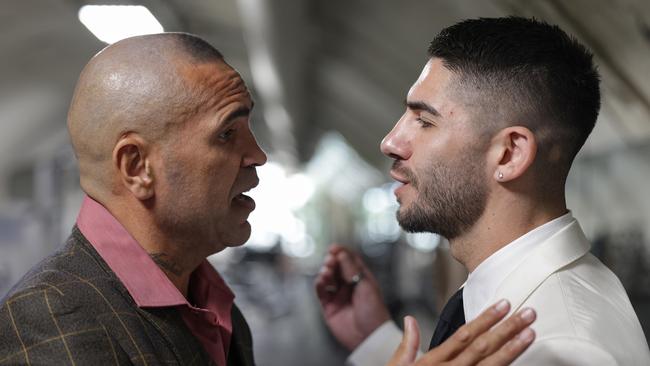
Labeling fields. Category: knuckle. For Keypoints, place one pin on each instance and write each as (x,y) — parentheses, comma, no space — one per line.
(509,351)
(463,335)
(505,335)
(512,324)
(480,346)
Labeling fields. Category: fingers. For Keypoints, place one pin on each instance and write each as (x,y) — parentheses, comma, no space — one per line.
(489,342)
(349,267)
(326,282)
(511,350)
(475,342)
(334,249)
(363,268)
(411,339)
(468,332)
(408,348)
(352,265)
(342,268)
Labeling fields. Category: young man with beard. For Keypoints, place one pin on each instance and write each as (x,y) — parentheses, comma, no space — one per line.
(482,153)
(160,127)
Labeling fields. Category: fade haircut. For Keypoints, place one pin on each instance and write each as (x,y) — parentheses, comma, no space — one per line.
(519,71)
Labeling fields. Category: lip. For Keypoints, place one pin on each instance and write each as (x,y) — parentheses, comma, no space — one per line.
(398,177)
(241,200)
(245,201)
(400,188)
(247,188)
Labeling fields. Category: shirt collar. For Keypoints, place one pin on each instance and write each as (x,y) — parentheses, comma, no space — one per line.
(483,282)
(144,280)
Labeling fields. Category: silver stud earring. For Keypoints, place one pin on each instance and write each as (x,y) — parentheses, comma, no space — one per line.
(500,176)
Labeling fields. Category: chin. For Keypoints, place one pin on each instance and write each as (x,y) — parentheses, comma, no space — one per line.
(402,209)
(239,235)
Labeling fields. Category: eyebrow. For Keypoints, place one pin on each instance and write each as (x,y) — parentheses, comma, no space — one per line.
(239,112)
(421,106)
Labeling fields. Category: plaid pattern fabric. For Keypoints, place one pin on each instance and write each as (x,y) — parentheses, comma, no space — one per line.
(71,309)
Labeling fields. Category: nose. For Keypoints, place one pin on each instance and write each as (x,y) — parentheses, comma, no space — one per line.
(254,156)
(396,144)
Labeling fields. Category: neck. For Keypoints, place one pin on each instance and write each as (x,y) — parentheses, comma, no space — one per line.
(178,274)
(170,254)
(500,225)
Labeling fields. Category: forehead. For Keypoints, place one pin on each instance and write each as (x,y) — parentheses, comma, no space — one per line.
(217,85)
(439,88)
(432,84)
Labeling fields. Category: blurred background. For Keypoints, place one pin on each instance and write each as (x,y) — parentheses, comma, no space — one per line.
(329,78)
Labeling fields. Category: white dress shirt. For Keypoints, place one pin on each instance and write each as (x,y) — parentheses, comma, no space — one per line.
(585,317)
(483,282)
(480,287)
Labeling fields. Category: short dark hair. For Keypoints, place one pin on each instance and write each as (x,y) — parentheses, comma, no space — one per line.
(535,72)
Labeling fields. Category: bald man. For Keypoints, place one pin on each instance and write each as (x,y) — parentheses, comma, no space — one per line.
(160,127)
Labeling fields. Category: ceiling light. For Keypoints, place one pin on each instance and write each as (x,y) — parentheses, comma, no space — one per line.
(111,23)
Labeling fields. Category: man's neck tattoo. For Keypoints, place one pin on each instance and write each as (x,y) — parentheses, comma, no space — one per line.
(165,262)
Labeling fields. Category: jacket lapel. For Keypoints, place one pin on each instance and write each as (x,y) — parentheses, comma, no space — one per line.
(180,343)
(169,325)
(241,343)
(563,248)
(160,332)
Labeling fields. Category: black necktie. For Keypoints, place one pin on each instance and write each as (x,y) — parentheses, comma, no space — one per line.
(451,318)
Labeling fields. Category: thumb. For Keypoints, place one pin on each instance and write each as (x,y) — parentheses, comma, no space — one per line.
(408,348)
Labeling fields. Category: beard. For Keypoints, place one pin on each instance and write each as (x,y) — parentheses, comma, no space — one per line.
(451,197)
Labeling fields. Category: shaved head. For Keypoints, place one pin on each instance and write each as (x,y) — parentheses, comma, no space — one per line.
(138,85)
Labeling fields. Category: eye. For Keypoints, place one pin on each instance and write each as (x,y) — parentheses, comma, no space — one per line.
(423,123)
(227,135)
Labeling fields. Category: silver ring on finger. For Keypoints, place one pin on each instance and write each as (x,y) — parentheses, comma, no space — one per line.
(356,279)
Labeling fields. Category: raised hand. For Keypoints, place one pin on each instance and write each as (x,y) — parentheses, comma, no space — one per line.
(350,297)
(475,343)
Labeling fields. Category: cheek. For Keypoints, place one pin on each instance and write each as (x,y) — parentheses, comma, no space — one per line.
(174,176)
(202,173)
(436,145)
(220,174)
(425,155)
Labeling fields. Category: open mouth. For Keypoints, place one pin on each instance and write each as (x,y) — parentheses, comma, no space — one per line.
(245,201)
(242,197)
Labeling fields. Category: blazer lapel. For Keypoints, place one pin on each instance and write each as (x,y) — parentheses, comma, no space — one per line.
(180,342)
(563,248)
(166,335)
(241,343)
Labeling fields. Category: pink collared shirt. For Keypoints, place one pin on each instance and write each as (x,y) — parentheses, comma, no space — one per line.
(210,321)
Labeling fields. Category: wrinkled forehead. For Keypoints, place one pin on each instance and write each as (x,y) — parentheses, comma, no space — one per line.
(217,82)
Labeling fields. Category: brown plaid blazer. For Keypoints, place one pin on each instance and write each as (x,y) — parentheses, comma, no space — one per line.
(71,309)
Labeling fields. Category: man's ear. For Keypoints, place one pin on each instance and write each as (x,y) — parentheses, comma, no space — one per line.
(130,156)
(514,150)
